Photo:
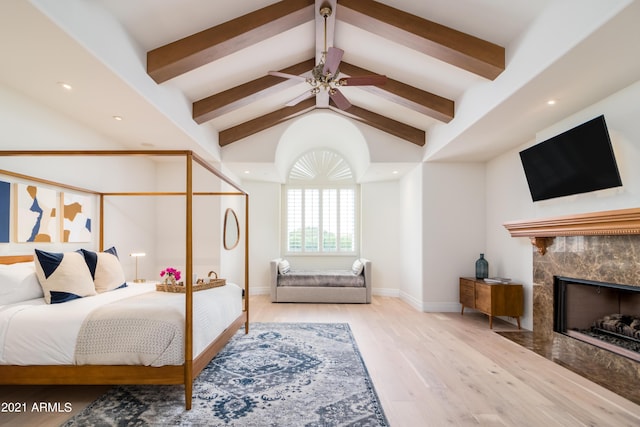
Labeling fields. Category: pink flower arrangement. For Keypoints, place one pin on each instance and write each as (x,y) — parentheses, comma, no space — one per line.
(172,272)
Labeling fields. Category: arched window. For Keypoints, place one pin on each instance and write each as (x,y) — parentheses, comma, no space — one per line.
(321,206)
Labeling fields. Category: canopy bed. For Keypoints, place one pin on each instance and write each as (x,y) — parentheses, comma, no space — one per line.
(204,320)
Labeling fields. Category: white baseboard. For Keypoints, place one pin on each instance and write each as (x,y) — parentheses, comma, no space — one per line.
(430,307)
(412,301)
(386,292)
(264,290)
(441,307)
(383,292)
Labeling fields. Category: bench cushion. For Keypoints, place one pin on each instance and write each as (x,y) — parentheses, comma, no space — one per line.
(323,278)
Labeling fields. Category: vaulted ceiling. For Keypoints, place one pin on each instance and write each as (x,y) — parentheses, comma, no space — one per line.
(466,80)
(453,47)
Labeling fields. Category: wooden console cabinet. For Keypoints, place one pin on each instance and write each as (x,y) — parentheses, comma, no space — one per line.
(493,299)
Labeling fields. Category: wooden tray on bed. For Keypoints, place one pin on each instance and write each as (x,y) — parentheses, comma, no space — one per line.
(200,286)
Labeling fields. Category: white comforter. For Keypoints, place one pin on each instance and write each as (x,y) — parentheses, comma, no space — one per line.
(35,333)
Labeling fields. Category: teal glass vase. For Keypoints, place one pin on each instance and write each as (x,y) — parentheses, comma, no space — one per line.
(482,268)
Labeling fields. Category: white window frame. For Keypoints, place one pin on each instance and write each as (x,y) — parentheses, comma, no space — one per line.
(320,252)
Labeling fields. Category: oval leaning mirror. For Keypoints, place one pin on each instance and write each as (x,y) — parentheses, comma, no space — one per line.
(231,230)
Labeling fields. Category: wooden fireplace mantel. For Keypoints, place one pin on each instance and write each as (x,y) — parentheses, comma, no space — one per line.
(542,231)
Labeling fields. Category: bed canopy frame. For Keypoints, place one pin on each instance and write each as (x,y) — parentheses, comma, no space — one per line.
(133,374)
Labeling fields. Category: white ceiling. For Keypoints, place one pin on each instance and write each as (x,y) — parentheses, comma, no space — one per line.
(575,51)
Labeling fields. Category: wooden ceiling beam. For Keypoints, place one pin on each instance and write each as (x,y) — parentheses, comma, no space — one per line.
(256,125)
(189,53)
(454,47)
(240,96)
(423,102)
(418,100)
(385,124)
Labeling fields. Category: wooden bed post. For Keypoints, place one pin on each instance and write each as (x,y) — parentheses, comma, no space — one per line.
(246,261)
(188,327)
(101,232)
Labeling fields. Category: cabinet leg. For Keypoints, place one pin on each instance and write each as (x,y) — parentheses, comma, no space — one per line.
(462,311)
(518,320)
(490,322)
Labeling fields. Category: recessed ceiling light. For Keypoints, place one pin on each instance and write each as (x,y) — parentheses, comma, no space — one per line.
(551,102)
(118,118)
(65,86)
(247,172)
(395,172)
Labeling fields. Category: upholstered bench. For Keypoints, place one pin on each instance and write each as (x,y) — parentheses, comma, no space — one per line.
(321,286)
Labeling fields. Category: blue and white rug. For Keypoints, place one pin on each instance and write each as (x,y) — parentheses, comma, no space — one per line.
(280,374)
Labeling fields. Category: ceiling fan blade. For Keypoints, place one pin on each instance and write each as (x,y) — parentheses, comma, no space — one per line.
(298,99)
(287,76)
(373,80)
(341,101)
(332,61)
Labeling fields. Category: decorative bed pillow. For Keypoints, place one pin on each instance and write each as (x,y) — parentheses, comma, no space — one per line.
(105,269)
(18,282)
(284,267)
(357,267)
(63,276)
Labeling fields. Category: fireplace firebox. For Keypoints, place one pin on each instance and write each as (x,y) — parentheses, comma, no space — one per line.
(606,315)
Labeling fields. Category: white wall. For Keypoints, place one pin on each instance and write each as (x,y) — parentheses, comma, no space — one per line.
(508,194)
(508,199)
(264,232)
(411,243)
(453,230)
(381,227)
(232,260)
(25,125)
(383,219)
(154,225)
(209,253)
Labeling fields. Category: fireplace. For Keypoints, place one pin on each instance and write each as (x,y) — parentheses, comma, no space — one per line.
(595,249)
(606,315)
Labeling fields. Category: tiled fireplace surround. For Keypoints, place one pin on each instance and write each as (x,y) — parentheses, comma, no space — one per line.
(603,247)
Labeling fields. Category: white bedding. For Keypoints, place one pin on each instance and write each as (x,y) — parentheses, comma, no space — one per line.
(35,333)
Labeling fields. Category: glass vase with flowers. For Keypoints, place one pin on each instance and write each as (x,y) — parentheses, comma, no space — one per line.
(171,276)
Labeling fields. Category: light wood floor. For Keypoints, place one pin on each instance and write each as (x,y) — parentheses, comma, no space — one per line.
(429,369)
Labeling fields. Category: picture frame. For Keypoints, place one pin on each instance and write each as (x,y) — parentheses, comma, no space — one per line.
(35,213)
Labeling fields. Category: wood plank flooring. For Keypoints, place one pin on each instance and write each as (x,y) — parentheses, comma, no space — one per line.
(429,369)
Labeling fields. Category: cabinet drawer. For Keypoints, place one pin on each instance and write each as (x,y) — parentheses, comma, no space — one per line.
(483,298)
(467,293)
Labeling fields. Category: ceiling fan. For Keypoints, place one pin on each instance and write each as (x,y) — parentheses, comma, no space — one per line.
(326,75)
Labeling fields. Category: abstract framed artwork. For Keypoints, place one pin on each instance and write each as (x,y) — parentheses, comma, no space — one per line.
(35,214)
(76,218)
(5,211)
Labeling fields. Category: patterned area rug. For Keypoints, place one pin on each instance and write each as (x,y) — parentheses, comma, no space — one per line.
(280,374)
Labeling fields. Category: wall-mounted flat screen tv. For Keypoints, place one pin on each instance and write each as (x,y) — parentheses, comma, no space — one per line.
(577,161)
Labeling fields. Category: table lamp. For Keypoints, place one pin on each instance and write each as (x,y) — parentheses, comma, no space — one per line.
(137,255)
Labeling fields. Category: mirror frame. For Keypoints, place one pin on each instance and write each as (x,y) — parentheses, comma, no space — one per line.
(230,215)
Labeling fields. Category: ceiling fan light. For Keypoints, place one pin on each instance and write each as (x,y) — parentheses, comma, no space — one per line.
(325,11)
(325,75)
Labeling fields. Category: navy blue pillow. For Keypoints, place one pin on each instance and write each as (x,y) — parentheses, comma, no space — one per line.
(63,276)
(106,270)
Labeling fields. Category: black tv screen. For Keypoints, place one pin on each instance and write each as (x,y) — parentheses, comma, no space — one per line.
(577,161)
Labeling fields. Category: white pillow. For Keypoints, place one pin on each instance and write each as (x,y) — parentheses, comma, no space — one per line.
(284,267)
(105,269)
(63,276)
(18,282)
(357,267)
